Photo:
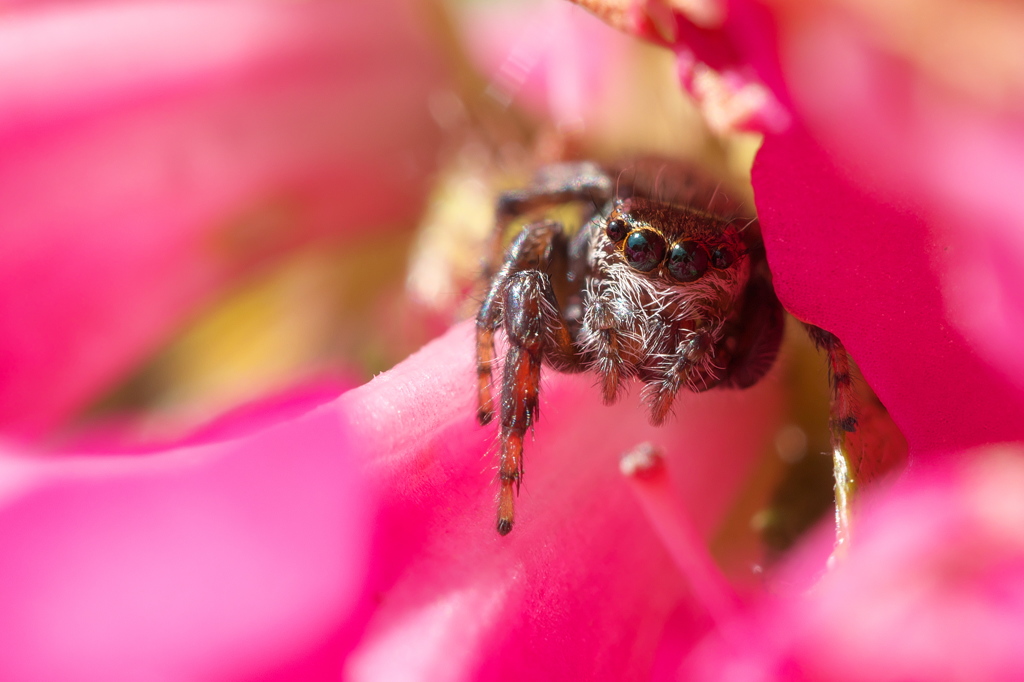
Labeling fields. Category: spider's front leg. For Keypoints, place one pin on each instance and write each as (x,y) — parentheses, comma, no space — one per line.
(522,301)
(534,329)
(532,250)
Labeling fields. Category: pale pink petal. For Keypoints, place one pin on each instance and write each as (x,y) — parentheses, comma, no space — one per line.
(155,150)
(582,587)
(549,57)
(237,560)
(730,67)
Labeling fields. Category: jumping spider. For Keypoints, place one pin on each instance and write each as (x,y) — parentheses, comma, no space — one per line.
(666,281)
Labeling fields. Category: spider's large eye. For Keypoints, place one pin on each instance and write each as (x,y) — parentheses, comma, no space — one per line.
(616,229)
(723,257)
(644,250)
(687,261)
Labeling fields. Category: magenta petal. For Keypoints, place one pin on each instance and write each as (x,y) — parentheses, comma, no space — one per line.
(894,222)
(582,587)
(218,562)
(958,160)
(861,268)
(153,151)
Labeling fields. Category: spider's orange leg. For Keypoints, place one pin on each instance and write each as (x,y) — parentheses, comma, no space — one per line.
(535,331)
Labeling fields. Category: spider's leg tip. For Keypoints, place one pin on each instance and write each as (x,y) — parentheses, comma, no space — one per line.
(484,416)
(504,526)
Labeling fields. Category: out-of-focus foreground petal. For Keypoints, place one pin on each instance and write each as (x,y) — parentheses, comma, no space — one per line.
(247,558)
(867,271)
(582,587)
(224,561)
(891,220)
(932,590)
(934,126)
(152,151)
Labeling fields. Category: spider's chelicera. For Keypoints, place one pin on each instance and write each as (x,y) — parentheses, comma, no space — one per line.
(666,282)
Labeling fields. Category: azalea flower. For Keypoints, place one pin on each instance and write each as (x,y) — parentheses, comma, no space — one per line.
(356,539)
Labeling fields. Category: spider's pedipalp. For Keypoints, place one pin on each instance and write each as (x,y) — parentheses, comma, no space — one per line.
(604,341)
(690,366)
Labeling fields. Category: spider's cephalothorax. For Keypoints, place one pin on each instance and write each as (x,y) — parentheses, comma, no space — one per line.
(666,281)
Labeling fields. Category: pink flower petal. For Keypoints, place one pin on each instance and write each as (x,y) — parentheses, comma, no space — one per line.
(726,51)
(862,269)
(153,151)
(933,590)
(582,587)
(957,160)
(217,562)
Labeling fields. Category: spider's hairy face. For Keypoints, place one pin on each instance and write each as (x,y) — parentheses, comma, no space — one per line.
(674,260)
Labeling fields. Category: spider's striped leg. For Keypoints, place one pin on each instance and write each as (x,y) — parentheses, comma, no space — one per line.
(535,331)
(842,422)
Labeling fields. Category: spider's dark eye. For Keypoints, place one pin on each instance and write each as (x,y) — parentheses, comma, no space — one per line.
(687,261)
(644,250)
(723,257)
(616,229)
